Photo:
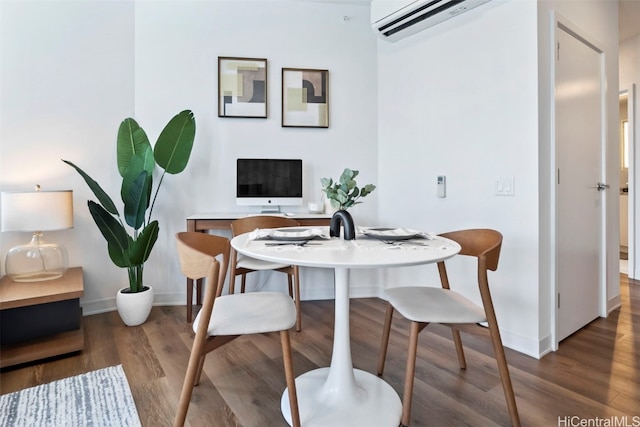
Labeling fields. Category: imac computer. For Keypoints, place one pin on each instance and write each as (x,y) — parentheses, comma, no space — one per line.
(269,183)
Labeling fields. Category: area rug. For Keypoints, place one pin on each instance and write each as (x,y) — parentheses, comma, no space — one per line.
(99,398)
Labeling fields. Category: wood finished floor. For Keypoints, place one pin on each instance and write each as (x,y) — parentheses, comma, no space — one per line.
(595,373)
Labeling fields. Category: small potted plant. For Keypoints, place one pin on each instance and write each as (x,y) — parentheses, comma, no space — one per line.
(130,245)
(343,194)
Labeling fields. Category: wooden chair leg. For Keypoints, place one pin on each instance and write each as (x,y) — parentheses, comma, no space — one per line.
(232,283)
(200,368)
(296,280)
(384,344)
(290,378)
(243,283)
(189,381)
(290,284)
(410,373)
(503,368)
(462,362)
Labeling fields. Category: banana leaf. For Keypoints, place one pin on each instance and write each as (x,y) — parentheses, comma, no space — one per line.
(113,232)
(133,141)
(102,196)
(173,148)
(141,247)
(135,193)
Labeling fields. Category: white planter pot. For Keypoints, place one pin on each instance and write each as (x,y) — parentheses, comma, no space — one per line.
(134,308)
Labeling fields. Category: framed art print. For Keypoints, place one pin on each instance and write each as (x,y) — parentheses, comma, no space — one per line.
(305,98)
(242,87)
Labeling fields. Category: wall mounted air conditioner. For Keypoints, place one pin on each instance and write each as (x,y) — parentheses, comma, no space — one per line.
(393,20)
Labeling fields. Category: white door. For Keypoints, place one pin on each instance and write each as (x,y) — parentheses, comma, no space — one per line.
(579,134)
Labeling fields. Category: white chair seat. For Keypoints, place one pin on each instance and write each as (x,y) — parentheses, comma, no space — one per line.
(250,313)
(257,264)
(434,305)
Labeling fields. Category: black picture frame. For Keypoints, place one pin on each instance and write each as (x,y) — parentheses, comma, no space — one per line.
(305,98)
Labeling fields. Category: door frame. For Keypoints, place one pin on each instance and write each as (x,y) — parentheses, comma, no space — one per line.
(560,23)
(631,222)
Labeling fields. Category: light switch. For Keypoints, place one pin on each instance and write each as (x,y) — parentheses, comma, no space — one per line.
(505,186)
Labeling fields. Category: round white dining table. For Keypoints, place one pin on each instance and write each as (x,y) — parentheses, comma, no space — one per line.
(340,395)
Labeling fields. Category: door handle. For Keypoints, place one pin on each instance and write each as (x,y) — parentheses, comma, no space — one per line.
(601,186)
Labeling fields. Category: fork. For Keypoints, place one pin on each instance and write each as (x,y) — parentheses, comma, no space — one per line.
(403,242)
(302,243)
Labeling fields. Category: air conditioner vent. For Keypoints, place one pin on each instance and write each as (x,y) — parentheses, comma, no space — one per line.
(394,20)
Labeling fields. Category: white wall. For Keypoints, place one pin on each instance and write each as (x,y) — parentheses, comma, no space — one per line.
(66,82)
(460,99)
(469,99)
(71,71)
(630,61)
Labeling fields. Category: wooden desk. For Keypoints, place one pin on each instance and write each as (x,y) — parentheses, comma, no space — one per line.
(41,319)
(204,222)
(222,221)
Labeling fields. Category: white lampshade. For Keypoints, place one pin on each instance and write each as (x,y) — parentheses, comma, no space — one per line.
(35,212)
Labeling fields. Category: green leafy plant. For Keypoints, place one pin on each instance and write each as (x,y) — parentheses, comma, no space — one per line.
(136,161)
(345,192)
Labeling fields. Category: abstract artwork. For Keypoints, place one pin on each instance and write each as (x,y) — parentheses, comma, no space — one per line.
(242,87)
(305,98)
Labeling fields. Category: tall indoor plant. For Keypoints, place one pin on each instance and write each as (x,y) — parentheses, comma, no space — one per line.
(343,194)
(130,245)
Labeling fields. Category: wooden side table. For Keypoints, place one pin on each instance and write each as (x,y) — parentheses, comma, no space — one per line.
(40,319)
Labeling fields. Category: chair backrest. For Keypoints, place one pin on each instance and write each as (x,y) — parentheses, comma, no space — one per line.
(250,223)
(482,243)
(198,252)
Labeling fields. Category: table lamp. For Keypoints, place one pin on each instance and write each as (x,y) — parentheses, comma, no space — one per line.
(35,212)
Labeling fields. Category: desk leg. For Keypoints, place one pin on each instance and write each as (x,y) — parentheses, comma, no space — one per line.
(189,299)
(199,283)
(191,226)
(190,283)
(340,396)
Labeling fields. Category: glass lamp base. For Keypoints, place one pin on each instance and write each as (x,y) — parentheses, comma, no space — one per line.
(36,261)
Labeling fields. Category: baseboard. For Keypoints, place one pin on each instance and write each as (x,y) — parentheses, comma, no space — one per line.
(109,304)
(98,306)
(521,344)
(545,346)
(613,304)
